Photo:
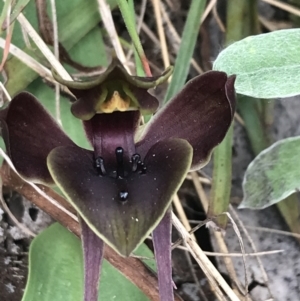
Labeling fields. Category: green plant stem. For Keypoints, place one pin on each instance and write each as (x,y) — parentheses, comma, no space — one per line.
(186,49)
(249,110)
(241,19)
(221,185)
(127,12)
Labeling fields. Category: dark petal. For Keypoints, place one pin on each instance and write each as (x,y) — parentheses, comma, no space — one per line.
(87,103)
(3,113)
(123,223)
(106,132)
(230,92)
(201,113)
(162,248)
(85,106)
(147,103)
(96,95)
(116,71)
(32,134)
(93,248)
(151,82)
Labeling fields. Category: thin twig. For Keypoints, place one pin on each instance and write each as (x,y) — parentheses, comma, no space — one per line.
(218,19)
(177,38)
(43,48)
(32,63)
(108,22)
(9,32)
(208,9)
(201,179)
(5,91)
(200,191)
(241,225)
(238,234)
(193,230)
(56,53)
(239,119)
(276,231)
(208,268)
(219,238)
(218,254)
(287,7)
(161,33)
(182,215)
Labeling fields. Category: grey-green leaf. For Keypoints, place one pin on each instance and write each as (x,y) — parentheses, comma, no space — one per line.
(266,65)
(273,175)
(56,271)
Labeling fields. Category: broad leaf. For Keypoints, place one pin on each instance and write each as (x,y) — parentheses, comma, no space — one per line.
(266,65)
(273,175)
(56,271)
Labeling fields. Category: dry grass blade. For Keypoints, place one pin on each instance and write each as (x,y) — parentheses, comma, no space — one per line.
(218,236)
(182,215)
(208,9)
(43,48)
(238,234)
(56,54)
(287,7)
(161,33)
(31,63)
(111,29)
(218,19)
(193,230)
(218,254)
(176,38)
(9,32)
(208,268)
(5,92)
(264,274)
(269,230)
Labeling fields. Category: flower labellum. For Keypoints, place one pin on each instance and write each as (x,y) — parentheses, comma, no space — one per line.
(122,189)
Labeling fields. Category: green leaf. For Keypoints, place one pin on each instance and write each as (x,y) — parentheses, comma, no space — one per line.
(187,46)
(273,175)
(72,29)
(17,9)
(266,65)
(71,125)
(56,271)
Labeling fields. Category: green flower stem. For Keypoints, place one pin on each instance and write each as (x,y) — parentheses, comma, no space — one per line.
(221,184)
(127,12)
(187,46)
(241,20)
(249,110)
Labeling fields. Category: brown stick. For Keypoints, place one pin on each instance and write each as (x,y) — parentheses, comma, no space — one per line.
(132,268)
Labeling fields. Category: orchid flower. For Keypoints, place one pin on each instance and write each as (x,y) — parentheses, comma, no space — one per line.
(122,189)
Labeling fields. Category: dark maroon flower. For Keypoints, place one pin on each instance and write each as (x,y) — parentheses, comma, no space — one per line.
(122,190)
